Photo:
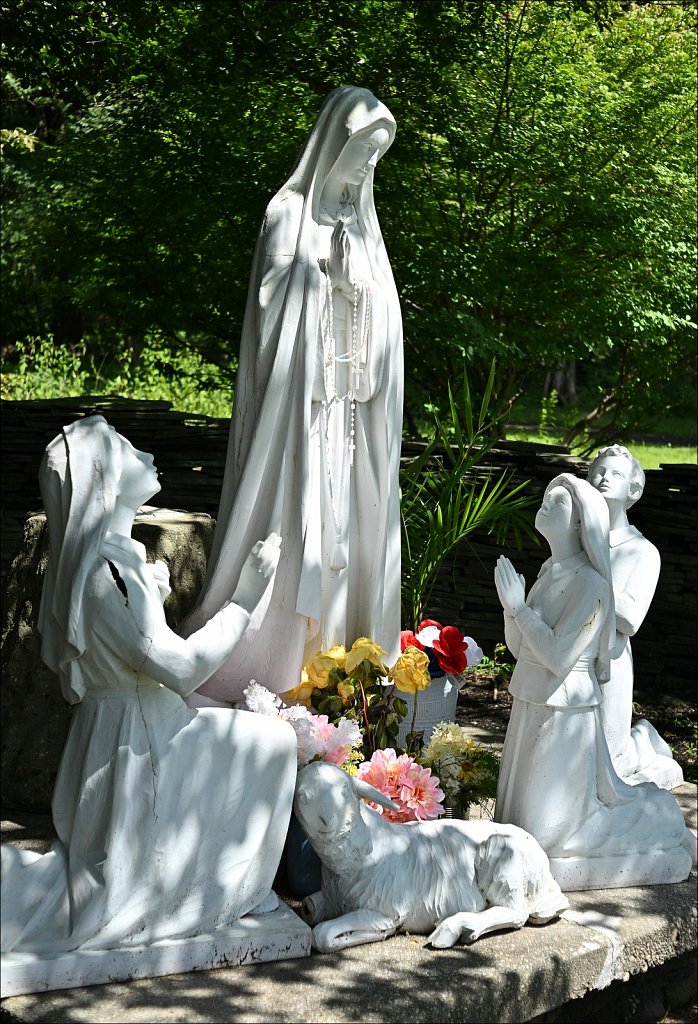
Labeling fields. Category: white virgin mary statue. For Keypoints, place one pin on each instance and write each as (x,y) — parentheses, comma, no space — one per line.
(314,445)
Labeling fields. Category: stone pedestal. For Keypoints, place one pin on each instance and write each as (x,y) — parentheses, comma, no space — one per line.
(658,867)
(280,935)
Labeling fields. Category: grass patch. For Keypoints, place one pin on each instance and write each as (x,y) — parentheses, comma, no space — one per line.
(649,455)
(42,370)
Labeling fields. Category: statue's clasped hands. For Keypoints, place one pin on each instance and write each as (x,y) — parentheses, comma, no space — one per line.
(339,262)
(257,571)
(511,586)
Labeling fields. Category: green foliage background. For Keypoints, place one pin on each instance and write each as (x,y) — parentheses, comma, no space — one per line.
(538,203)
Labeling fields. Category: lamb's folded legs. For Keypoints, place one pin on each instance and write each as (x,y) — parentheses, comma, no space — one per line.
(469,926)
(315,908)
(353,929)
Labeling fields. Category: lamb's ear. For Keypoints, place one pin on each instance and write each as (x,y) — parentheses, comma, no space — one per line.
(367,792)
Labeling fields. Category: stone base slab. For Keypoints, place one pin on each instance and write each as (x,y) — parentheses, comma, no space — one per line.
(575,874)
(279,935)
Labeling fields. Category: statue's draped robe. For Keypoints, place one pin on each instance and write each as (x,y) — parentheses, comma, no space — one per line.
(276,475)
(634,748)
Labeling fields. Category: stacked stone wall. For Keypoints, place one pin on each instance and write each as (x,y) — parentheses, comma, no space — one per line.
(190,453)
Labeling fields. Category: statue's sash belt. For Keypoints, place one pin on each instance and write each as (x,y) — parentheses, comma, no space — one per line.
(534,683)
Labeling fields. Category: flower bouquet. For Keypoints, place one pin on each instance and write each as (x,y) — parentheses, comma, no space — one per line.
(357,686)
(449,653)
(318,739)
(448,650)
(467,772)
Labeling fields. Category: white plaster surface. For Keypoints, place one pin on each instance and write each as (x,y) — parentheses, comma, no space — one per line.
(451,879)
(279,935)
(557,779)
(170,821)
(638,752)
(573,874)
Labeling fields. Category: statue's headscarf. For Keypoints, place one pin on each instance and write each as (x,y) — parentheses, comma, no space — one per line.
(78,477)
(347,112)
(594,536)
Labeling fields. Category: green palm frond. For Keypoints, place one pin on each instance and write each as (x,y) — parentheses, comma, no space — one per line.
(447,494)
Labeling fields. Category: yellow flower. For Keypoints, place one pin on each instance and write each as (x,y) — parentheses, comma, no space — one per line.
(338,653)
(364,649)
(301,693)
(346,692)
(318,669)
(410,672)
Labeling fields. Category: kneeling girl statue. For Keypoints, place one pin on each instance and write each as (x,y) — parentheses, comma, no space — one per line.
(557,779)
(170,821)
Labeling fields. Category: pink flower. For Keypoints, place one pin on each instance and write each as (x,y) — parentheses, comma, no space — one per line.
(421,795)
(408,639)
(414,788)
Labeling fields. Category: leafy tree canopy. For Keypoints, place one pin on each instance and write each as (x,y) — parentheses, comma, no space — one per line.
(538,203)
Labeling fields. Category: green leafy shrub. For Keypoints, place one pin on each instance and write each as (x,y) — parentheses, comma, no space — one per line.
(44,370)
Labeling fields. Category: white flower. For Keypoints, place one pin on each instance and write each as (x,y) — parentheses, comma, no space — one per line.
(447,767)
(348,733)
(261,700)
(428,635)
(474,653)
(310,742)
(305,747)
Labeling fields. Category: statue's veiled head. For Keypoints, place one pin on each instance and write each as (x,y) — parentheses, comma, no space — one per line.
(351,132)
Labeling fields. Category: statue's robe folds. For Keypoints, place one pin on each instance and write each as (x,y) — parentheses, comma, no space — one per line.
(170,821)
(557,780)
(276,469)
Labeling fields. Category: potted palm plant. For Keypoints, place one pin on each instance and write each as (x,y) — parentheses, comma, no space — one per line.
(446,494)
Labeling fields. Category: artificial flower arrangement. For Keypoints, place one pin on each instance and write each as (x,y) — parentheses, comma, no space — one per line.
(347,708)
(467,772)
(413,787)
(318,739)
(448,650)
(410,785)
(357,686)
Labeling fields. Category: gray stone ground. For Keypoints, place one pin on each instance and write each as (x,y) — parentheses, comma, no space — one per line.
(622,954)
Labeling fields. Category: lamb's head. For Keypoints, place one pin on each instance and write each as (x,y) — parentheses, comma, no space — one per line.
(327,806)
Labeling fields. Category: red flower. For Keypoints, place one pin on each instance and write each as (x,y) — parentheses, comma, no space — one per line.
(408,639)
(450,650)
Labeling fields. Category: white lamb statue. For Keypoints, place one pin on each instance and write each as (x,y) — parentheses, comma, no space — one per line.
(453,880)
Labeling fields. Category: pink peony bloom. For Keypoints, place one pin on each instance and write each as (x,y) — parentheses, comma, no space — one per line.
(421,795)
(414,788)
